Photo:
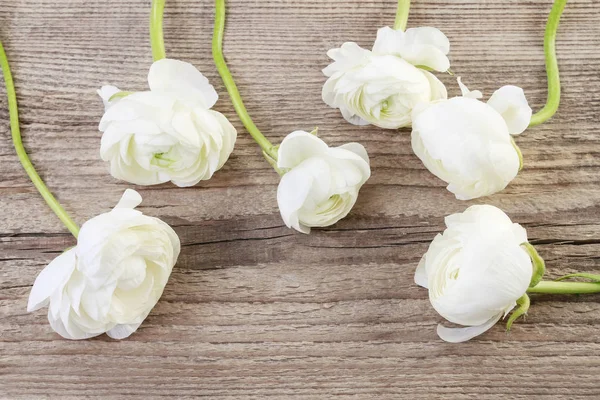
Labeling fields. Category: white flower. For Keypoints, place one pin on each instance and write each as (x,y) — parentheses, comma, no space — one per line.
(467,143)
(114,276)
(167,133)
(475,271)
(382,86)
(321,183)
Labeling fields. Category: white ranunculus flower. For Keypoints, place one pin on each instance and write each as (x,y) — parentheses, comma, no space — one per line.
(467,143)
(168,133)
(113,278)
(320,183)
(382,86)
(475,271)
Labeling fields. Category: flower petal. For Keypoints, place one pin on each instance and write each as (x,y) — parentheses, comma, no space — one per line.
(438,89)
(472,94)
(51,279)
(122,331)
(458,335)
(424,46)
(357,149)
(511,103)
(348,56)
(183,80)
(388,42)
(130,199)
(297,147)
(292,192)
(421,274)
(106,92)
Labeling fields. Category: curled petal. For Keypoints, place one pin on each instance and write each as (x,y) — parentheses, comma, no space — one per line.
(106,92)
(292,192)
(51,279)
(475,94)
(458,335)
(357,149)
(511,103)
(438,89)
(130,199)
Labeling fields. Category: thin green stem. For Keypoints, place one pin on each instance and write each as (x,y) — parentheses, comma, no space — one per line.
(156,30)
(554,287)
(236,99)
(551,65)
(22,154)
(402,15)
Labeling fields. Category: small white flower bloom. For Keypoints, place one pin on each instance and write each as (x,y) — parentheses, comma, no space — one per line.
(467,143)
(475,271)
(382,86)
(112,279)
(321,183)
(168,133)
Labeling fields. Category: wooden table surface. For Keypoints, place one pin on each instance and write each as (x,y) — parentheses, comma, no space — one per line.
(254,310)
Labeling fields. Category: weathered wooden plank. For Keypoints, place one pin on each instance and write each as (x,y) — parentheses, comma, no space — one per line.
(254,310)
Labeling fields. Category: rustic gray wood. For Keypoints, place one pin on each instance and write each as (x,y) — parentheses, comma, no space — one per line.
(254,310)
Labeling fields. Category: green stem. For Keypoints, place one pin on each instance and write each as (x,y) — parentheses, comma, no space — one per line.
(551,65)
(402,15)
(22,154)
(156,30)
(236,99)
(553,287)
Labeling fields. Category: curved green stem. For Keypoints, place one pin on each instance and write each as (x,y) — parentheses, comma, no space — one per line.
(551,65)
(156,30)
(402,15)
(553,287)
(236,99)
(22,154)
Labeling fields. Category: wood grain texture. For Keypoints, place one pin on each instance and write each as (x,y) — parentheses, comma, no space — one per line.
(254,310)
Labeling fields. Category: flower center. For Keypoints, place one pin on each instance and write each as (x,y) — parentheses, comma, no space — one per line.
(161,159)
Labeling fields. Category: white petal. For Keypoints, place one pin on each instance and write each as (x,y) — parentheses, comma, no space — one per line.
(58,326)
(511,103)
(51,279)
(292,192)
(427,35)
(183,80)
(106,92)
(348,56)
(438,89)
(351,117)
(421,273)
(475,94)
(122,331)
(357,149)
(423,46)
(458,335)
(130,199)
(297,147)
(389,41)
(428,47)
